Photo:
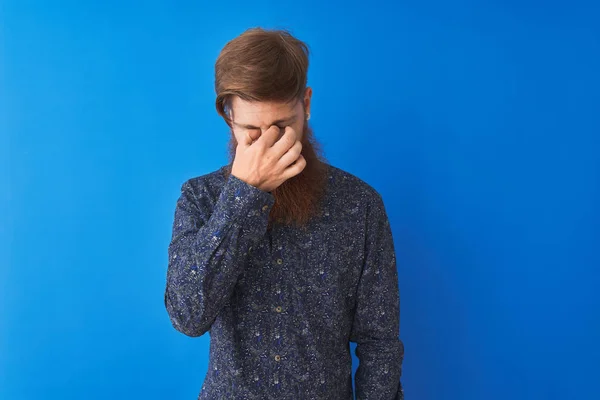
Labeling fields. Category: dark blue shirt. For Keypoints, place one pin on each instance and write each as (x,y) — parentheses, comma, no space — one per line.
(281,303)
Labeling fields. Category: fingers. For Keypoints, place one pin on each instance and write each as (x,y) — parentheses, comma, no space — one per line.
(295,169)
(270,136)
(254,135)
(285,142)
(291,155)
(246,140)
(249,137)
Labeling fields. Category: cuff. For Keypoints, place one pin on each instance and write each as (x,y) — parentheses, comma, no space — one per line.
(242,203)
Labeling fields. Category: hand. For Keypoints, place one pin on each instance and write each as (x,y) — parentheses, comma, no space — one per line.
(266,162)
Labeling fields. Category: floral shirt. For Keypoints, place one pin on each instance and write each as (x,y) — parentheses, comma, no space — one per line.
(281,303)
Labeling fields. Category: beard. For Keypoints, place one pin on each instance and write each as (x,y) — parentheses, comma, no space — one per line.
(298,199)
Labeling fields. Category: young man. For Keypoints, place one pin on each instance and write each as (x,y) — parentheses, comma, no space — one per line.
(281,256)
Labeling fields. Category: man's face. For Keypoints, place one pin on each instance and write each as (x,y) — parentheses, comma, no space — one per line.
(254,118)
(296,199)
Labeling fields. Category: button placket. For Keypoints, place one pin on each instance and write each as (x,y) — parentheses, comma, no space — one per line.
(279,303)
(278,309)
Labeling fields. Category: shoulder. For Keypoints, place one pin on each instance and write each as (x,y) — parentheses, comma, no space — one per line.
(202,191)
(356,201)
(209,183)
(347,186)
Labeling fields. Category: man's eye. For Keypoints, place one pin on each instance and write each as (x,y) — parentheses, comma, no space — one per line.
(282,128)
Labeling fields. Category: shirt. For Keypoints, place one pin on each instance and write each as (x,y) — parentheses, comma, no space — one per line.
(282,304)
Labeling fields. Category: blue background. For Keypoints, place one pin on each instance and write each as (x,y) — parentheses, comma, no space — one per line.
(477,121)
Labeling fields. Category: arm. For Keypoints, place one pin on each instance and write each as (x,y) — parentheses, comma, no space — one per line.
(208,250)
(376,325)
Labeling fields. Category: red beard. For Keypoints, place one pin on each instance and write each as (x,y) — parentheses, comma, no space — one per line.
(298,199)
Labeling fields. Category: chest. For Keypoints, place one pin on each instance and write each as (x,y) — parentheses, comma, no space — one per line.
(305,273)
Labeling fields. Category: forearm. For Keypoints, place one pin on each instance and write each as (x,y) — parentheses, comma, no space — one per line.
(379,370)
(205,261)
(376,324)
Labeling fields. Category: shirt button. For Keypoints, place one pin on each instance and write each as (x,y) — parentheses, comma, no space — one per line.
(265,207)
(279,261)
(277,357)
(278,308)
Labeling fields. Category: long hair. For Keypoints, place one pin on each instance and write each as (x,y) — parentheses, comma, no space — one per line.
(261,65)
(271,65)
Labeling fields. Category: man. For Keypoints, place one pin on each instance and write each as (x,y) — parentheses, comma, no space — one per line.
(281,256)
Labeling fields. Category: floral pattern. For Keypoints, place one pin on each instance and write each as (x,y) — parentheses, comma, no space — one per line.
(281,303)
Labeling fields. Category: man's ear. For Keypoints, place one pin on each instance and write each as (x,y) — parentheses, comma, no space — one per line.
(307,98)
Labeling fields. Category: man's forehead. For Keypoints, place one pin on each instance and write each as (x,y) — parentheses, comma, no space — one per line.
(263,112)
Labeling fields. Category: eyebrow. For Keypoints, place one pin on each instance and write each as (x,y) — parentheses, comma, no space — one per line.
(277,122)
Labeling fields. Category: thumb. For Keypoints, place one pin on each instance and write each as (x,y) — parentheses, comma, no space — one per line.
(246,140)
(253,135)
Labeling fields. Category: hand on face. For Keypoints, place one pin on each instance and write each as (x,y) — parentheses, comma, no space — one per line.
(253,135)
(267,160)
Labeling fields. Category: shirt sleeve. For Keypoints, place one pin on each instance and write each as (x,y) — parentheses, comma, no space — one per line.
(376,324)
(208,250)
